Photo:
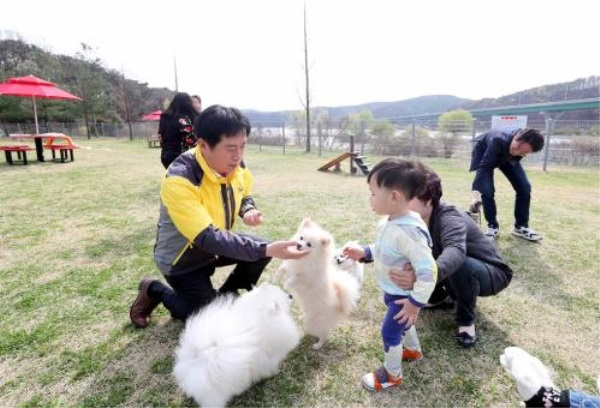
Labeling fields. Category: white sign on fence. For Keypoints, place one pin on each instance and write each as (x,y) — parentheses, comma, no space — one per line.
(509,122)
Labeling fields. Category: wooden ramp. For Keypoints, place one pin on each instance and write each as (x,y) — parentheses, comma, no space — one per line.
(355,159)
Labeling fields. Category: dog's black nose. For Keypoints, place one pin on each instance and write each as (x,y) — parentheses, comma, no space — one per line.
(291,297)
(299,247)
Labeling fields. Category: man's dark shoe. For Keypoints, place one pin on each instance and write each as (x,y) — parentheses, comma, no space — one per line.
(142,307)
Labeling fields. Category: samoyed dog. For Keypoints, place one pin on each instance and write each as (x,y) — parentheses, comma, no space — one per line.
(354,268)
(535,385)
(232,343)
(325,293)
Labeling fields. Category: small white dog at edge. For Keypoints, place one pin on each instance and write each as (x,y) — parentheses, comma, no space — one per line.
(535,384)
(232,343)
(325,293)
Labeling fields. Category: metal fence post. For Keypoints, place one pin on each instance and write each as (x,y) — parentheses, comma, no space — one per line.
(549,127)
(413,138)
(283,135)
(352,170)
(319,136)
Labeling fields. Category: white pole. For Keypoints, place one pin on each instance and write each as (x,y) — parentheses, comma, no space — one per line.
(175,69)
(37,128)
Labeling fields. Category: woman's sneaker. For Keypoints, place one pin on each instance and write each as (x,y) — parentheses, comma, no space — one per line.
(380,379)
(492,232)
(526,233)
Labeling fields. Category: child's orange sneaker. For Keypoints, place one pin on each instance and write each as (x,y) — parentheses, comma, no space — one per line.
(411,355)
(380,379)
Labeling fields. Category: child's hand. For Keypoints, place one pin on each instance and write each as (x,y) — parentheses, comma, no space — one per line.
(409,313)
(353,251)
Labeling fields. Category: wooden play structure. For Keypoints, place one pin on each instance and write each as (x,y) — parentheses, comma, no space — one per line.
(356,161)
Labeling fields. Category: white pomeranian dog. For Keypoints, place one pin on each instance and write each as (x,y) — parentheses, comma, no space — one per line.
(535,385)
(326,294)
(234,342)
(354,268)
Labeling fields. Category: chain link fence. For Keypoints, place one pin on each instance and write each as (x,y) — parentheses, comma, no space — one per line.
(571,145)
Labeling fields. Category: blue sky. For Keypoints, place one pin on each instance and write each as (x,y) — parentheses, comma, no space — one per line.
(249,54)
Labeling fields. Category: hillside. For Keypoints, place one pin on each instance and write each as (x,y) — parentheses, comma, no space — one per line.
(578,89)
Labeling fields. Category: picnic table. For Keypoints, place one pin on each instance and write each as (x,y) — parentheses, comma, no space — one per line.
(55,142)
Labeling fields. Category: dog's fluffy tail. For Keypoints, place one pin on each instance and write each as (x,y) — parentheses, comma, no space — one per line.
(346,291)
(204,356)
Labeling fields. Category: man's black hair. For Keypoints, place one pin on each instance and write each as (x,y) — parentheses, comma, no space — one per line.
(217,121)
(533,137)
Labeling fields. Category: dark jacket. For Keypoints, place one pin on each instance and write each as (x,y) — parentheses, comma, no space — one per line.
(456,236)
(491,150)
(177,136)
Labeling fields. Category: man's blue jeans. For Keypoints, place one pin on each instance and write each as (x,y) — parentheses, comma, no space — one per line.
(515,174)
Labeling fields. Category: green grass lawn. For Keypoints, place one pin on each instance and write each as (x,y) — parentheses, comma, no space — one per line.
(76,238)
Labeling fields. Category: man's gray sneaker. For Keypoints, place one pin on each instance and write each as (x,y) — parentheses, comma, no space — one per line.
(492,232)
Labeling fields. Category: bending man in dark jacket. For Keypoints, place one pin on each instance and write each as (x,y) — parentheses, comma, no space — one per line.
(468,263)
(203,191)
(496,149)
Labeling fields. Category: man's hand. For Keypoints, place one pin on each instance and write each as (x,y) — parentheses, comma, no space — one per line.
(285,250)
(354,251)
(476,202)
(409,313)
(404,278)
(252,217)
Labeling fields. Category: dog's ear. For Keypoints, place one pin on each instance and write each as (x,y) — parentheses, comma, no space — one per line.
(305,222)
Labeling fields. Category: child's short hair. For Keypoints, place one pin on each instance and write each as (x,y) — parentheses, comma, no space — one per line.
(533,137)
(398,174)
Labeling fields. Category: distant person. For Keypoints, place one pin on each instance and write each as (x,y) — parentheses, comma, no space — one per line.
(197,102)
(176,129)
(468,263)
(201,195)
(504,151)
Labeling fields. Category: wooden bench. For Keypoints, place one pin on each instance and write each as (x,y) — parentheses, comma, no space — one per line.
(50,141)
(66,152)
(21,151)
(65,147)
(154,141)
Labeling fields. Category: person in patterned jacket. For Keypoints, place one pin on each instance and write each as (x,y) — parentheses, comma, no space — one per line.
(175,129)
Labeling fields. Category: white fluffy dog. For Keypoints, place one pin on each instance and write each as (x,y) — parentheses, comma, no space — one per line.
(531,374)
(349,265)
(535,384)
(325,293)
(233,343)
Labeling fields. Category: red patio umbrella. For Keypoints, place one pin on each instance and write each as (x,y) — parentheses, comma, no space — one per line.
(152,116)
(36,88)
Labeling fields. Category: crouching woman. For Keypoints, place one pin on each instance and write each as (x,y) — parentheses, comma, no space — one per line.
(468,263)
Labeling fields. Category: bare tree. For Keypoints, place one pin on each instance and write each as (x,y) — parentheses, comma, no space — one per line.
(307,89)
